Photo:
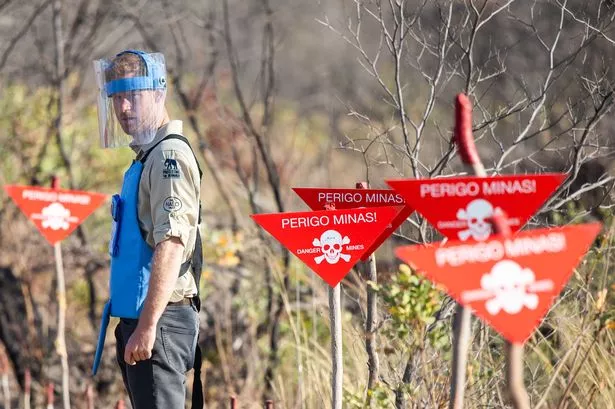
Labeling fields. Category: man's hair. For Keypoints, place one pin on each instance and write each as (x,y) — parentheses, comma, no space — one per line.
(126,65)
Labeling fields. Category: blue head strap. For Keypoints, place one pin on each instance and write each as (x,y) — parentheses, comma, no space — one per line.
(154,77)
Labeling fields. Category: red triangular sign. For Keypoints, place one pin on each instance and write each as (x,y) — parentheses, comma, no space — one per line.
(460,208)
(510,283)
(330,242)
(318,198)
(54,212)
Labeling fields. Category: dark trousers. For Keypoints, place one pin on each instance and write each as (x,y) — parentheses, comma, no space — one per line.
(160,382)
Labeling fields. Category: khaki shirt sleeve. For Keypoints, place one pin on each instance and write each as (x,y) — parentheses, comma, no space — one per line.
(174,193)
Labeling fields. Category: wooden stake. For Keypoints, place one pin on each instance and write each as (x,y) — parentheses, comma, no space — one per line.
(337,374)
(514,352)
(335,317)
(61,298)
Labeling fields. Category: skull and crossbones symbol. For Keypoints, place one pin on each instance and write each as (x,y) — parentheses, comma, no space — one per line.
(508,287)
(509,282)
(55,217)
(477,216)
(330,244)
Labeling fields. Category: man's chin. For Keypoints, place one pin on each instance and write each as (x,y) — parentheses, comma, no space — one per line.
(128,128)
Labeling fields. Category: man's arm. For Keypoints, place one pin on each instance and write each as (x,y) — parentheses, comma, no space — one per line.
(166,263)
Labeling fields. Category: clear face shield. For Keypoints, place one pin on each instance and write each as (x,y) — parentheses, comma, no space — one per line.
(132,90)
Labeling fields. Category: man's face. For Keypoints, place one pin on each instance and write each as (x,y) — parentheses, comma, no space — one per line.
(137,112)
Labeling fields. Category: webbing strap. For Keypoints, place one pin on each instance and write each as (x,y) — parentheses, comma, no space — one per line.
(197,384)
(197,265)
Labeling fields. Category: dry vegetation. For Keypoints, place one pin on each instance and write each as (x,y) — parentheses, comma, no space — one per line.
(300,93)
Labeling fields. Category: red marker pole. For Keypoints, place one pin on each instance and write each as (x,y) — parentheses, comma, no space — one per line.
(514,351)
(461,329)
(462,322)
(4,378)
(27,389)
(61,297)
(89,396)
(50,395)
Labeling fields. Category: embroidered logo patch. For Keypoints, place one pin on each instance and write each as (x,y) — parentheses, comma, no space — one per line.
(172,204)
(170,169)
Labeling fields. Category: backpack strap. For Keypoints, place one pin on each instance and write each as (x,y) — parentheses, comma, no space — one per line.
(197,265)
(197,254)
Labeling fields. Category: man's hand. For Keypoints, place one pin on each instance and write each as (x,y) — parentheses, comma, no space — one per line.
(140,345)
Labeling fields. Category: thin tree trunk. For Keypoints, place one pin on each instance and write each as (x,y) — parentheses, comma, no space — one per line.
(371,324)
(411,364)
(337,373)
(371,319)
(61,292)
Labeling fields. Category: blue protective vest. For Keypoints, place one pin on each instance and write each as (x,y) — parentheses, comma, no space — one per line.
(131,258)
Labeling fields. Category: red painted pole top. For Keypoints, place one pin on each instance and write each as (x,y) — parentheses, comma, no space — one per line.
(55,182)
(50,395)
(463,130)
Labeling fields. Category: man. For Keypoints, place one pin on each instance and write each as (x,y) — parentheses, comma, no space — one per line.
(155,247)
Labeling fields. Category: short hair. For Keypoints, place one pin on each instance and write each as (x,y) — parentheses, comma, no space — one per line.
(126,65)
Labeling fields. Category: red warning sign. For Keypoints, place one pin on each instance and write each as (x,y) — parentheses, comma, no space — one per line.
(54,212)
(318,198)
(330,242)
(510,283)
(460,208)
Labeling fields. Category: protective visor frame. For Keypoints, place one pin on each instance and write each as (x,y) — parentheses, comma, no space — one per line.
(154,77)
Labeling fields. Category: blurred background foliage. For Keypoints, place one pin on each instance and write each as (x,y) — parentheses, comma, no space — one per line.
(276,94)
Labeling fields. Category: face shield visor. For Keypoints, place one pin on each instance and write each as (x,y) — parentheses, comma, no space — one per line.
(132,90)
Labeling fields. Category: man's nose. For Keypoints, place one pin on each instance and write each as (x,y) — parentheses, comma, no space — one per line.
(125,105)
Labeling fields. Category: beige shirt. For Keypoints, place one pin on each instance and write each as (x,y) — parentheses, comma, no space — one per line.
(168,201)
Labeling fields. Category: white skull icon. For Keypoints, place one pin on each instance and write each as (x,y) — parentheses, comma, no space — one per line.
(509,282)
(330,244)
(477,216)
(56,217)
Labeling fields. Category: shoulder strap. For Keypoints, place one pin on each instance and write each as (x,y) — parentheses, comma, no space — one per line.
(166,138)
(197,254)
(197,265)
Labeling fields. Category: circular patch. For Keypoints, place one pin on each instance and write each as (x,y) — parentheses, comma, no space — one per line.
(172,204)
